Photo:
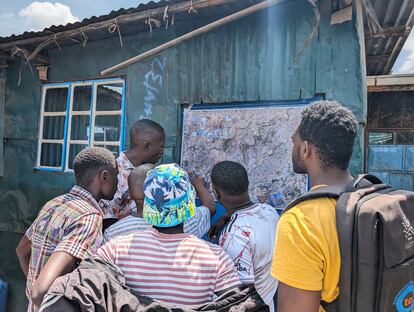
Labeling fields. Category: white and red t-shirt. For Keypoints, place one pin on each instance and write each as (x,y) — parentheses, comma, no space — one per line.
(175,268)
(249,239)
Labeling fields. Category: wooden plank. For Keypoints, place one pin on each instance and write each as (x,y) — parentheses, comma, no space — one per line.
(372,89)
(394,80)
(397,31)
(371,81)
(38,59)
(398,47)
(378,58)
(223,21)
(390,80)
(3,78)
(4,55)
(345,3)
(341,16)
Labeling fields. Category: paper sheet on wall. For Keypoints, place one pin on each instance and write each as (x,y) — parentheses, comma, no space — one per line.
(258,138)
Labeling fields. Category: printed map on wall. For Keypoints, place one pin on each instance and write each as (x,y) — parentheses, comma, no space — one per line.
(257,137)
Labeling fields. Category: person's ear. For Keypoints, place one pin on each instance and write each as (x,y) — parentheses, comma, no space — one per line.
(217,193)
(305,150)
(146,145)
(104,176)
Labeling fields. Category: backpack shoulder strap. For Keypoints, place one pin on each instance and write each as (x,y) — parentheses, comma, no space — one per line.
(362,180)
(326,191)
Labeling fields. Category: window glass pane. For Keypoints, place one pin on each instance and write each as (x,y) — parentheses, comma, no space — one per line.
(56,100)
(53,127)
(107,128)
(74,149)
(51,155)
(80,128)
(113,149)
(109,97)
(404,137)
(82,98)
(380,138)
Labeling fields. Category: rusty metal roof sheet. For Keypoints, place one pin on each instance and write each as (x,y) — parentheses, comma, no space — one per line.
(397,18)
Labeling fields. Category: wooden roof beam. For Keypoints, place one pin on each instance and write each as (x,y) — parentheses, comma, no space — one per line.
(398,46)
(397,31)
(41,59)
(38,60)
(4,55)
(204,29)
(179,7)
(378,58)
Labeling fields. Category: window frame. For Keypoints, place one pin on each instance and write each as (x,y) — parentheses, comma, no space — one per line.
(394,133)
(69,113)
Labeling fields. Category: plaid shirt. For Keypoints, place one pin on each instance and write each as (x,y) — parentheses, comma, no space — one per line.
(70,223)
(121,203)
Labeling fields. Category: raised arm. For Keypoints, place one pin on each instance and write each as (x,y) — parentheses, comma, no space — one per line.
(206,198)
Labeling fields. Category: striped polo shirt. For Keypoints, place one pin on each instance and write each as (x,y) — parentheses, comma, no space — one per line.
(197,225)
(175,268)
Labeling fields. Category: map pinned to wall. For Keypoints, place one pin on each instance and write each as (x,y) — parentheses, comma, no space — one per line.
(257,137)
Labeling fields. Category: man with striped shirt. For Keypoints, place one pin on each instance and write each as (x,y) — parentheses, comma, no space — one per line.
(69,227)
(197,225)
(163,262)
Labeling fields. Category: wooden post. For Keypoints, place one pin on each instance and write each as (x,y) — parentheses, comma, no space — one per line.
(3,77)
(225,20)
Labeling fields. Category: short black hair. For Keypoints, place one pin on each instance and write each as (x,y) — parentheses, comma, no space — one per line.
(230,177)
(91,161)
(139,174)
(144,127)
(332,129)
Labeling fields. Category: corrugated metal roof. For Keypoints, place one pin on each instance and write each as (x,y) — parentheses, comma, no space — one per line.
(87,21)
(127,28)
(396,17)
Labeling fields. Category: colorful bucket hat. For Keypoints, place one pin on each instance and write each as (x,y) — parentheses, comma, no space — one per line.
(169,196)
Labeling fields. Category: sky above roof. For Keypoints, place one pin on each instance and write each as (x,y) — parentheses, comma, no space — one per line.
(18,16)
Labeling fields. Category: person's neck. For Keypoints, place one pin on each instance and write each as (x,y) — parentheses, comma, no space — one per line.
(330,176)
(234,203)
(134,158)
(178,229)
(92,190)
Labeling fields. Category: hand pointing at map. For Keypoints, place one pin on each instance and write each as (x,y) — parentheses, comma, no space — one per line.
(196,180)
(206,198)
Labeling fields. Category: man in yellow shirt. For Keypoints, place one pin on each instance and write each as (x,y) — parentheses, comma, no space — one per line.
(306,258)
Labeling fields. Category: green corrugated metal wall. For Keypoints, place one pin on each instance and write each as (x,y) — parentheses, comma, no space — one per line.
(248,60)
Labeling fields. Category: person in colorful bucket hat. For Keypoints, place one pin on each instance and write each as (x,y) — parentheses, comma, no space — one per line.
(169,196)
(198,224)
(163,262)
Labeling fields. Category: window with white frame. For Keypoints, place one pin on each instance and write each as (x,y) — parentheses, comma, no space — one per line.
(75,115)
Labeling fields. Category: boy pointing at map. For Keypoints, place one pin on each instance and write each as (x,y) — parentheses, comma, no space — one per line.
(249,236)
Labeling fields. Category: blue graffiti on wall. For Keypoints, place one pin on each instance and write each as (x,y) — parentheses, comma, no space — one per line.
(153,80)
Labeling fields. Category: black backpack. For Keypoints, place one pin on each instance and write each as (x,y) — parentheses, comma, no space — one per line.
(376,239)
